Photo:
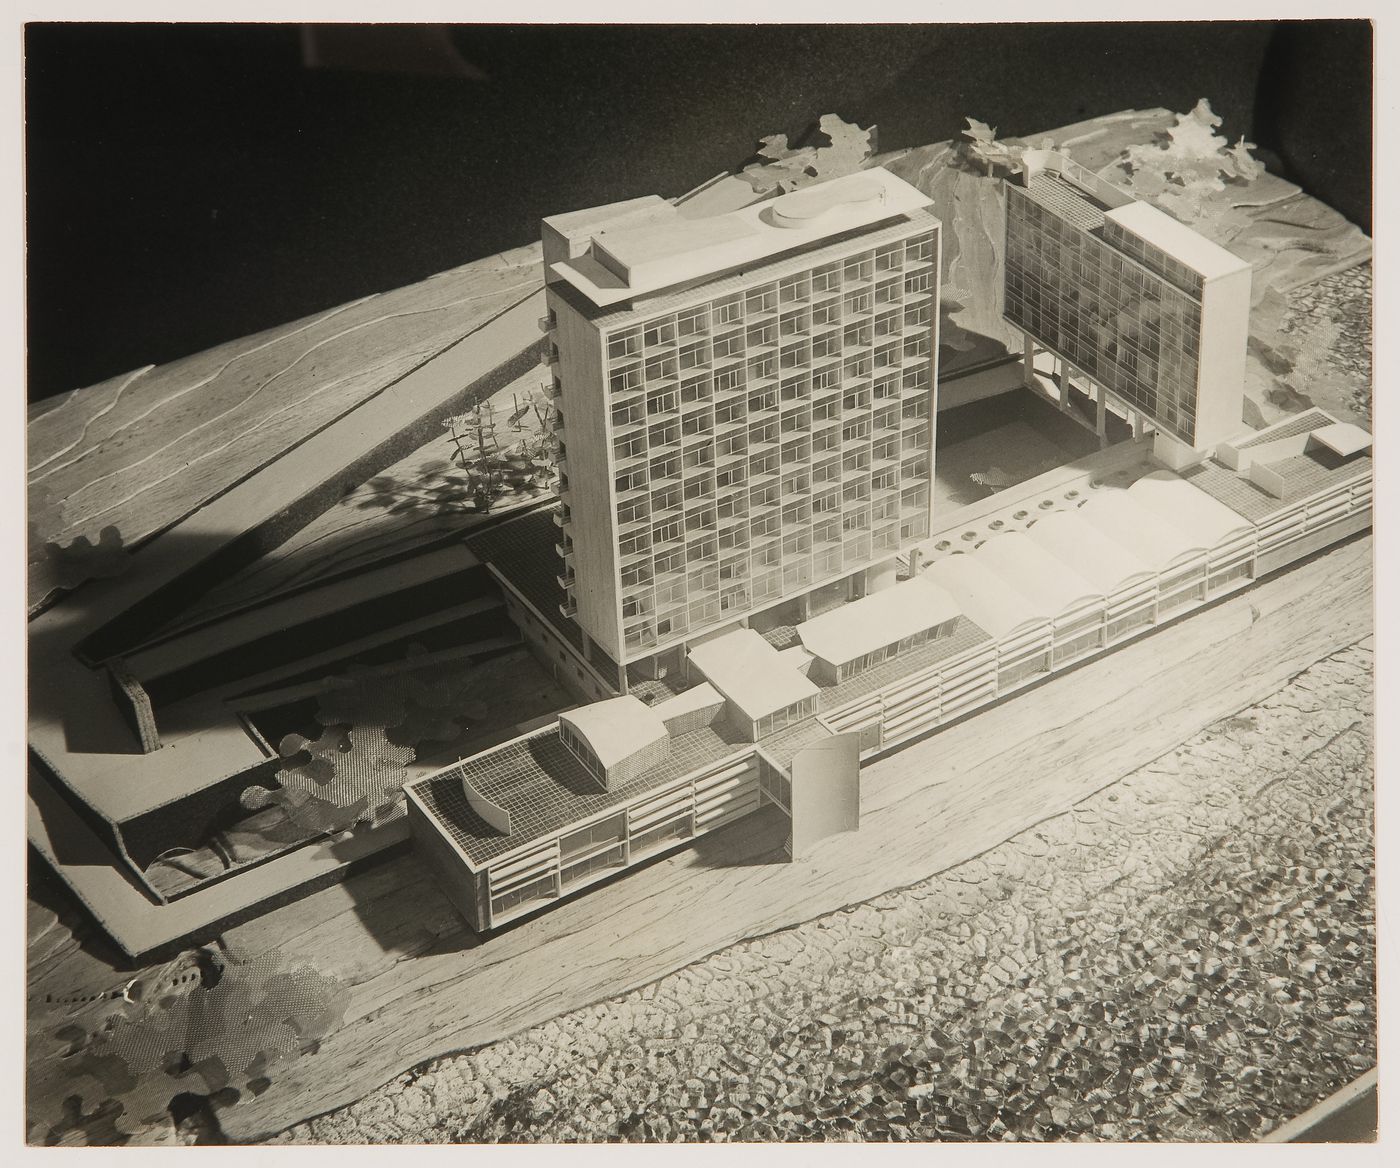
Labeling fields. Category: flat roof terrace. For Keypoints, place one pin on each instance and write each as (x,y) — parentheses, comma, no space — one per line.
(1303,475)
(1071,203)
(630,262)
(790,263)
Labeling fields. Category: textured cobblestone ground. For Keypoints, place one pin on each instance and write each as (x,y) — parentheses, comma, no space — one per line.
(1329,320)
(1187,955)
(1345,299)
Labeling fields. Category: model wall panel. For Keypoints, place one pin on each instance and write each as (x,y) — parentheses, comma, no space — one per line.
(639,763)
(1224,340)
(587,440)
(465,889)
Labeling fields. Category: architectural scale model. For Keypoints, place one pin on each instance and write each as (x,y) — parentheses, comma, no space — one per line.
(747,414)
(1154,316)
(745,580)
(745,403)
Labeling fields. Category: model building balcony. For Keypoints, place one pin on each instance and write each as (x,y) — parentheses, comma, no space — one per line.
(624,346)
(637,610)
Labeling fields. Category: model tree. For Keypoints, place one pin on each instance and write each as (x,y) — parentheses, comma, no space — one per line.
(995,157)
(522,462)
(477,450)
(533,421)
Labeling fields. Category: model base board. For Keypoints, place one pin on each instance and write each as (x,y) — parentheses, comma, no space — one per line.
(389,949)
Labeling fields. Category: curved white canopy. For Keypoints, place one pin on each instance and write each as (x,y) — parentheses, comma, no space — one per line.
(1188,507)
(1150,536)
(985,598)
(1106,564)
(1049,584)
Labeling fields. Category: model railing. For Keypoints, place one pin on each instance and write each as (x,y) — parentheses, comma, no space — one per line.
(913,705)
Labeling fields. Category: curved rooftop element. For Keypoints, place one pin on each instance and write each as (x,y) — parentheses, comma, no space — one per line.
(1049,584)
(985,598)
(1106,564)
(874,621)
(1188,507)
(492,814)
(1149,535)
(828,201)
(615,729)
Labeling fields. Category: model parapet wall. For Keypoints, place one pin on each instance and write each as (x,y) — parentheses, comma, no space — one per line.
(571,856)
(1068,585)
(1142,306)
(746,402)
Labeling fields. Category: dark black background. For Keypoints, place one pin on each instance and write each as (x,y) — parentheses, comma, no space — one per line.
(191,184)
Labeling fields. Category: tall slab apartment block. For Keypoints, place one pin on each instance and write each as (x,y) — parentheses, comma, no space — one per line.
(746,403)
(1148,311)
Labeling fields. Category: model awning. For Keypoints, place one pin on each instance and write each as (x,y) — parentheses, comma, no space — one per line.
(982,594)
(1104,563)
(1189,508)
(615,729)
(874,621)
(1342,438)
(1049,584)
(750,673)
(1150,536)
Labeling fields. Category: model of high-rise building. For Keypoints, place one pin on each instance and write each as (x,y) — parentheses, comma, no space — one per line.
(746,404)
(1130,300)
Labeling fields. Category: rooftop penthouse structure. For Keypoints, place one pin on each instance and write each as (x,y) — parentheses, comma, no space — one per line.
(746,404)
(1151,314)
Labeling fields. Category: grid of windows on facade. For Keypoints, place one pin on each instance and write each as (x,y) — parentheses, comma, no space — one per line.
(1127,328)
(788,716)
(1154,258)
(771,438)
